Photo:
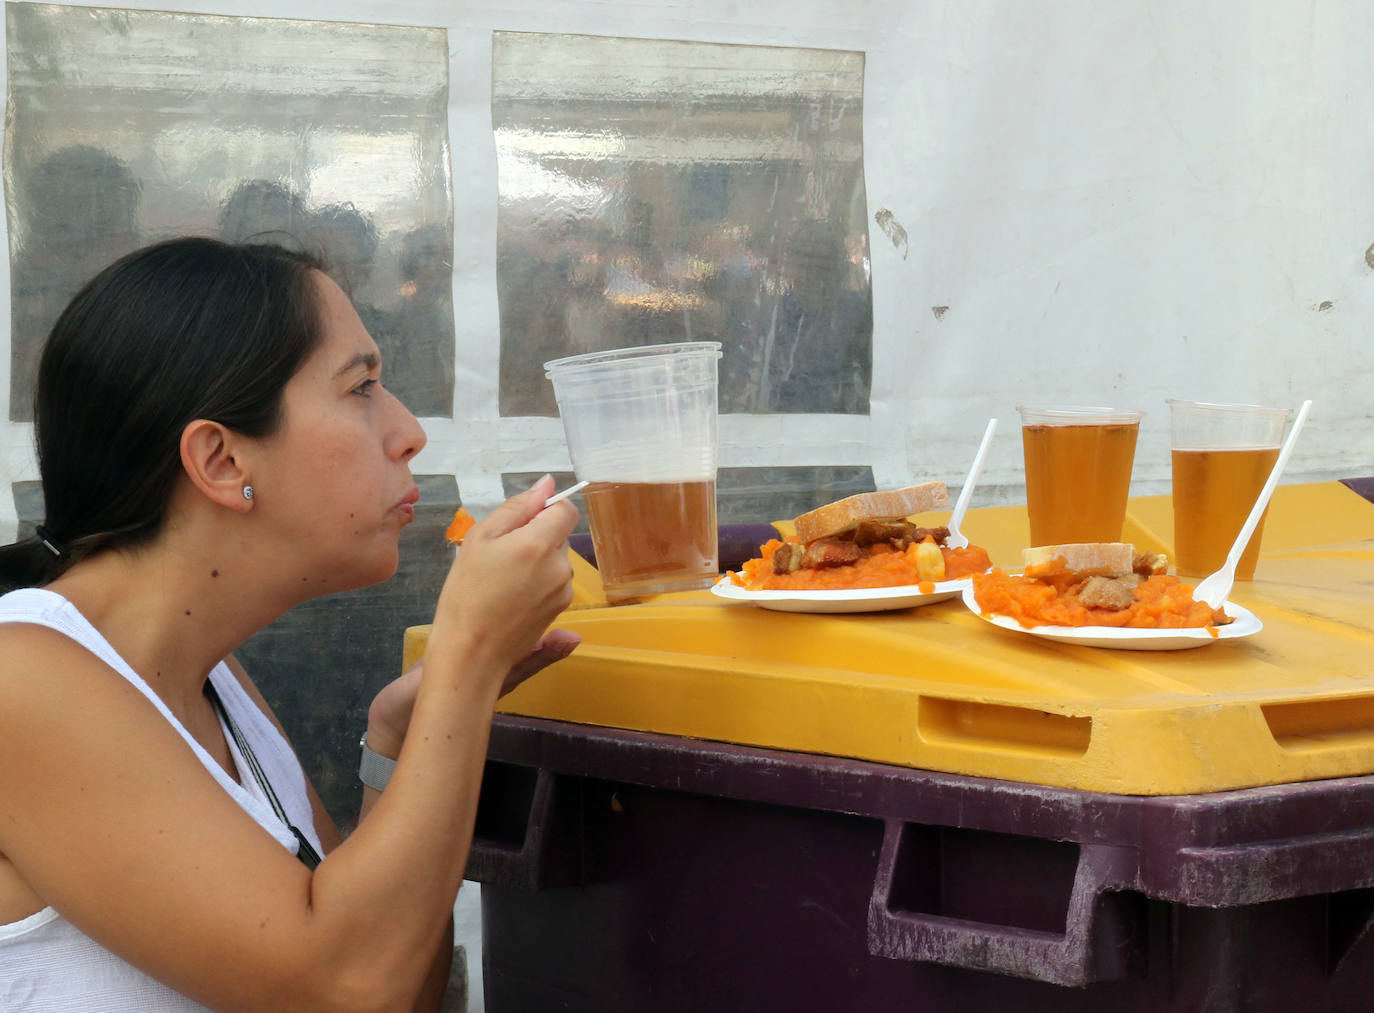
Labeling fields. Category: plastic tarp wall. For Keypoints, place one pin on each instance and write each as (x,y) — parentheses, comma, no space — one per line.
(1096,204)
(1077,202)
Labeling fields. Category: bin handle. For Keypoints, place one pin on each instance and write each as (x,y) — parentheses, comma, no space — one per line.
(1097,945)
(524,867)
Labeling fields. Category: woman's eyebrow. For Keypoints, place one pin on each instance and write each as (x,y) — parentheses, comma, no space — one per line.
(368,360)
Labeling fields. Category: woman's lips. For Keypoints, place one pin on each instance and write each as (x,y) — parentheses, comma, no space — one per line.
(407,504)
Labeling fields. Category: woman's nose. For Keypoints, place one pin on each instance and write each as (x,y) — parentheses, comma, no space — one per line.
(406,437)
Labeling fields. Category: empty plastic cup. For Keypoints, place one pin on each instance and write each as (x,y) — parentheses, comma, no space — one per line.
(641,430)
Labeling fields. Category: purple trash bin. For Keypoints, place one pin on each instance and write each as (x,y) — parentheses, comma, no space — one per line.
(627,871)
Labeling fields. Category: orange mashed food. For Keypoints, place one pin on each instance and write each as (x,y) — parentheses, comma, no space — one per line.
(1161,602)
(885,566)
(459,527)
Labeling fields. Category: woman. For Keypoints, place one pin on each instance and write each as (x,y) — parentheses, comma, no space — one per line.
(216,447)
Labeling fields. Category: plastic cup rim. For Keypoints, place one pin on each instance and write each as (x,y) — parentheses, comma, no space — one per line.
(1079,413)
(1228,406)
(640,352)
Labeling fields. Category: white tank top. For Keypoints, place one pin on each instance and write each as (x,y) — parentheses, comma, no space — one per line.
(46,964)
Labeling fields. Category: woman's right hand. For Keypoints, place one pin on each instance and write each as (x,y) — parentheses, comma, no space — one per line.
(510,579)
(388,717)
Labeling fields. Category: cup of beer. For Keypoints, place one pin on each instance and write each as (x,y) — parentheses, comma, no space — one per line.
(641,430)
(1078,471)
(1222,456)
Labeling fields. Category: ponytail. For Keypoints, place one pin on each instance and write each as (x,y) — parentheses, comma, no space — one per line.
(28,563)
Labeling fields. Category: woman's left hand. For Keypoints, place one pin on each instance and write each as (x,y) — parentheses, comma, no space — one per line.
(389,715)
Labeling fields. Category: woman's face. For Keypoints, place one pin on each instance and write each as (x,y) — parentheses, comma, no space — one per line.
(334,481)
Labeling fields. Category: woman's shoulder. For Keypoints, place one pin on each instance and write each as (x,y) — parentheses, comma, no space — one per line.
(39,627)
(43,656)
(33,619)
(54,693)
(53,660)
(32,604)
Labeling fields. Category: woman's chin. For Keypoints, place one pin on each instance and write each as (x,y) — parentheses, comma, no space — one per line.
(367,572)
(384,571)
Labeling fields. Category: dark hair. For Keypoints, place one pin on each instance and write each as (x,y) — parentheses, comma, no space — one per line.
(181,330)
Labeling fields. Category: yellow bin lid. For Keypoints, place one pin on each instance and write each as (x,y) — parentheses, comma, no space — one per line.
(938,688)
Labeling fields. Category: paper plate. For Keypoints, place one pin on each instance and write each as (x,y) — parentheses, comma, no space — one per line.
(867,599)
(1245,624)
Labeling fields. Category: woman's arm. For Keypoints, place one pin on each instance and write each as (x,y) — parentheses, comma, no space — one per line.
(473,630)
(388,718)
(114,822)
(436,981)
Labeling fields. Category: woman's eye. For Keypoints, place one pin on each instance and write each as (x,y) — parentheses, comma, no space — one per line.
(365,388)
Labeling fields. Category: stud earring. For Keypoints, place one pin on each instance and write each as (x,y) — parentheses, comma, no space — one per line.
(247,492)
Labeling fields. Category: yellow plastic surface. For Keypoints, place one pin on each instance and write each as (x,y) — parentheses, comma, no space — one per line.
(588,591)
(937,688)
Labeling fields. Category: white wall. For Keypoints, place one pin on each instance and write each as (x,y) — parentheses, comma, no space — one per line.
(1117,202)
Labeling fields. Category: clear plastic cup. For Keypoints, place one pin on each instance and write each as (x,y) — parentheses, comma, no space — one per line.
(641,430)
(1078,471)
(1222,456)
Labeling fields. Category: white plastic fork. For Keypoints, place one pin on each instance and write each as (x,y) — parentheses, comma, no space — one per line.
(1214,588)
(564,494)
(957,539)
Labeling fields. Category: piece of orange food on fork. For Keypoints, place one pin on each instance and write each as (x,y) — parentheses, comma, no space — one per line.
(588,590)
(459,527)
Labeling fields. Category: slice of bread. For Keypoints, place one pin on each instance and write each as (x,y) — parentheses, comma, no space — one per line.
(842,515)
(1095,559)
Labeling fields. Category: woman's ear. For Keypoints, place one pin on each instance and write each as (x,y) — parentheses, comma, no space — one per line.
(208,455)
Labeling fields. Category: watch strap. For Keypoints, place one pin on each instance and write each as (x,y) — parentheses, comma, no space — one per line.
(374,769)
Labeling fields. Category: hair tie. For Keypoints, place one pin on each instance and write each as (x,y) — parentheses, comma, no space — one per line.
(49,542)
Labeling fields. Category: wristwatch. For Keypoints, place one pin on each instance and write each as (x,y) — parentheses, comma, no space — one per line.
(374,770)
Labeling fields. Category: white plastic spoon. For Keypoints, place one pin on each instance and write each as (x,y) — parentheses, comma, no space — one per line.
(957,539)
(1214,588)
